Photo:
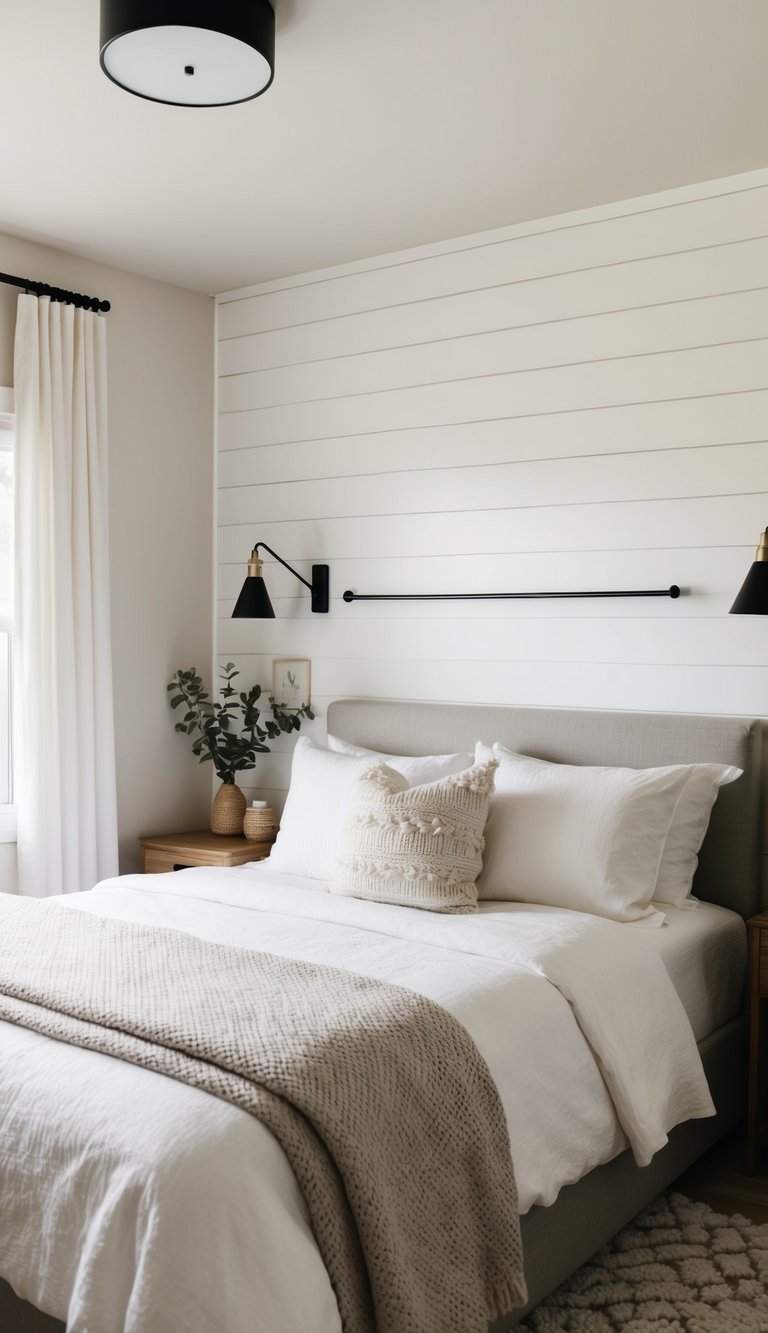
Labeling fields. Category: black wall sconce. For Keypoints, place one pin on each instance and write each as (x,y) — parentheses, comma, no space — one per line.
(253,602)
(752,599)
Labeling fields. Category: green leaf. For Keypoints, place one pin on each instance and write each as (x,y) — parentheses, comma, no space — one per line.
(229,731)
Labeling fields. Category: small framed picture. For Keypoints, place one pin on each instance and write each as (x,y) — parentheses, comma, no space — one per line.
(290,681)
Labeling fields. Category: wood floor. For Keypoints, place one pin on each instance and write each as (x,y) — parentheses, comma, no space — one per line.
(719,1180)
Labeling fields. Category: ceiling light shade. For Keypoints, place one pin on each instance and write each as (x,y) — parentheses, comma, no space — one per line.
(253,602)
(187,52)
(753,594)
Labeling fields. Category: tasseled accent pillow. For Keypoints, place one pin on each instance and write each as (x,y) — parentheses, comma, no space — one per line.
(416,846)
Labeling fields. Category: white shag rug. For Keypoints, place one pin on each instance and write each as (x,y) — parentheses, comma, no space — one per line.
(677,1268)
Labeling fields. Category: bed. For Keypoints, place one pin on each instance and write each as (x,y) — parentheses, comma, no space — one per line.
(558,1233)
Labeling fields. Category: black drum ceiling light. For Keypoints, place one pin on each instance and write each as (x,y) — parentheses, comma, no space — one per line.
(187,52)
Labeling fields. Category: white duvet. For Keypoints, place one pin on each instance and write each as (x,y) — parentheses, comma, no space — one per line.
(133,1203)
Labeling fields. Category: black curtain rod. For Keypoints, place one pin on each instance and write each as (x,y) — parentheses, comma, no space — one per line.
(350,596)
(58,294)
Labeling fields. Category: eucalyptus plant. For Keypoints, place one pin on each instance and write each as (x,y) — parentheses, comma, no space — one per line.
(230,732)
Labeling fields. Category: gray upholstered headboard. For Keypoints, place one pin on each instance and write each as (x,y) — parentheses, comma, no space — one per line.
(732,858)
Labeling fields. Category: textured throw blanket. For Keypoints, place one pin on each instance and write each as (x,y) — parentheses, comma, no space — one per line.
(379,1098)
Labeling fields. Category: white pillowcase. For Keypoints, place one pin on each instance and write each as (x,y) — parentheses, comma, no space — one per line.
(317,806)
(437,765)
(689,824)
(585,838)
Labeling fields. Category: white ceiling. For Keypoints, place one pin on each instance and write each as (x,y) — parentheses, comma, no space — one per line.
(390,123)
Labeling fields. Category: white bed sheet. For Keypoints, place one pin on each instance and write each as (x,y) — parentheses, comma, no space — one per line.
(705,954)
(134,1203)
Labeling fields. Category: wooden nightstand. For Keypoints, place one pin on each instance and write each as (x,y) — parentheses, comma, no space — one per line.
(757,928)
(178,851)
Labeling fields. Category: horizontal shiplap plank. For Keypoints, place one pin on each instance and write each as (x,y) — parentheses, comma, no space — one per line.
(731,641)
(720,520)
(713,221)
(609,383)
(705,322)
(683,277)
(669,686)
(609,478)
(638,426)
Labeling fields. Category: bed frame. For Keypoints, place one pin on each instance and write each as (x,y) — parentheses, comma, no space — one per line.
(558,1239)
(732,872)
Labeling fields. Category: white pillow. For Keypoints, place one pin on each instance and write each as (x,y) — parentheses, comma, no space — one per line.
(318,801)
(435,765)
(686,834)
(416,846)
(586,838)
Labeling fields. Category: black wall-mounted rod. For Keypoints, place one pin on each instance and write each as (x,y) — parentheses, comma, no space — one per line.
(58,294)
(349,596)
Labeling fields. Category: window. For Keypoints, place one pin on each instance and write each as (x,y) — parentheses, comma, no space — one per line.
(7,821)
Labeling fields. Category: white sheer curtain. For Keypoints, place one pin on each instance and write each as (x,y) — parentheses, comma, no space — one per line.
(64,731)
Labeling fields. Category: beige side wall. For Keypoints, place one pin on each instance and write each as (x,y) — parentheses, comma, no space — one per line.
(160,435)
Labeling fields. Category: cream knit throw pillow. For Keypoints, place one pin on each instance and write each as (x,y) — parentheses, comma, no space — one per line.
(416,846)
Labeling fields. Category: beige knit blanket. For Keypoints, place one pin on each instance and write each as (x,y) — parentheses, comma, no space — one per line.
(379,1098)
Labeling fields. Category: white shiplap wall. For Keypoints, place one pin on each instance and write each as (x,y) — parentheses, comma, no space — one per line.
(577,403)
